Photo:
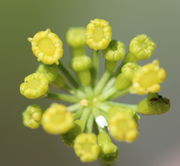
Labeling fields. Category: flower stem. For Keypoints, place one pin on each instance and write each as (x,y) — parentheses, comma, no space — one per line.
(95,65)
(99,87)
(63,97)
(68,75)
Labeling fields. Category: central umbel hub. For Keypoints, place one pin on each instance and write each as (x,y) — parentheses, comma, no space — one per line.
(89,102)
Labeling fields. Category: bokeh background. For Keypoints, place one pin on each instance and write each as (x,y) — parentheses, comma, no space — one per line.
(159,140)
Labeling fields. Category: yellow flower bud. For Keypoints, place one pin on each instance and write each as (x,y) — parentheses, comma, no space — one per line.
(57,119)
(122,124)
(76,36)
(47,47)
(129,69)
(80,63)
(32,116)
(35,85)
(142,47)
(148,78)
(86,147)
(115,51)
(98,34)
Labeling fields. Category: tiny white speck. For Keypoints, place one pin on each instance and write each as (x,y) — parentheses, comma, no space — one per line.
(101,121)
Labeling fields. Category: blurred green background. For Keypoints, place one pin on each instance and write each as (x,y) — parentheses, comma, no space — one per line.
(20,19)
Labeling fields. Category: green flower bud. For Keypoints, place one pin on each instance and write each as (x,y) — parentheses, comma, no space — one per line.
(32,116)
(76,36)
(50,71)
(70,136)
(122,82)
(109,151)
(142,47)
(52,74)
(154,104)
(129,69)
(81,63)
(115,51)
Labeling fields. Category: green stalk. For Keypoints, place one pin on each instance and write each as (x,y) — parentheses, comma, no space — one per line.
(90,123)
(95,65)
(84,117)
(63,97)
(68,75)
(131,106)
(99,87)
(74,107)
(118,94)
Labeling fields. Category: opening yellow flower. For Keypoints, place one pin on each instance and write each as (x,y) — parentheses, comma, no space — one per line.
(148,78)
(35,85)
(98,34)
(47,47)
(86,147)
(123,126)
(57,119)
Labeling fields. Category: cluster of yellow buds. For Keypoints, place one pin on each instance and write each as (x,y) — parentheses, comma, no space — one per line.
(91,119)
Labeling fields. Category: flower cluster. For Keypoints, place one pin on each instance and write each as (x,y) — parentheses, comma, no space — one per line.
(91,117)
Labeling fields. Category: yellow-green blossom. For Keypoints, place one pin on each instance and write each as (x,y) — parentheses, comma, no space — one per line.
(57,119)
(32,116)
(148,78)
(115,51)
(81,63)
(142,47)
(122,124)
(35,85)
(122,82)
(47,47)
(129,69)
(76,36)
(86,147)
(98,34)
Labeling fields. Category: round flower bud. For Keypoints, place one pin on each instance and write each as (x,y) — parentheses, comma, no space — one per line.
(148,78)
(86,147)
(80,63)
(129,69)
(76,36)
(122,124)
(122,82)
(35,85)
(154,104)
(109,151)
(115,51)
(57,119)
(50,71)
(32,116)
(98,34)
(47,47)
(142,47)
